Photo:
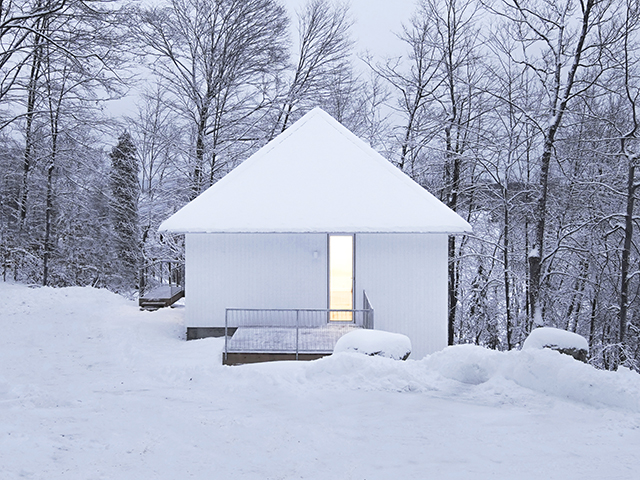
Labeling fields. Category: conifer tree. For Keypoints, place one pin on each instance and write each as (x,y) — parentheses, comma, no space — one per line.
(125,191)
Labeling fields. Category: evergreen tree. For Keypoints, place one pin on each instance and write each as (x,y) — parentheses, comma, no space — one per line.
(124,212)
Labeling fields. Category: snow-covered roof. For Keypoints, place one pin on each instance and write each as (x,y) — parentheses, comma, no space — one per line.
(317,176)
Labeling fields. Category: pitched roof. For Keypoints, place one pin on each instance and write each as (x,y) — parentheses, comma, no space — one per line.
(317,176)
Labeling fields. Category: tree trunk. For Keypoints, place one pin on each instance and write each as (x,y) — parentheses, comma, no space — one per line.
(535,254)
(592,323)
(626,252)
(55,105)
(29,140)
(453,289)
(452,181)
(505,256)
(198,174)
(48,247)
(48,244)
(560,99)
(573,311)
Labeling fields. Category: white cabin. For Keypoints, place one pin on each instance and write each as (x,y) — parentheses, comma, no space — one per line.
(311,221)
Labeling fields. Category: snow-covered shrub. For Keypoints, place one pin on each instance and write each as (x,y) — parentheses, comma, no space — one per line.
(563,341)
(375,342)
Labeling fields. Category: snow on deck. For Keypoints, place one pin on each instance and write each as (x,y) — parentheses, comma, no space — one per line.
(161,296)
(162,292)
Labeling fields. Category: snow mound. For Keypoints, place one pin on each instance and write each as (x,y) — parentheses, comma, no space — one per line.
(543,371)
(375,343)
(555,338)
(465,363)
(479,375)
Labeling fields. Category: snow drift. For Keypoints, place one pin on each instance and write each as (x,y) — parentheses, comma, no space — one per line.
(486,375)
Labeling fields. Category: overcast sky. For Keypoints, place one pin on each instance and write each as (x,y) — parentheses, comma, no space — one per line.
(376,23)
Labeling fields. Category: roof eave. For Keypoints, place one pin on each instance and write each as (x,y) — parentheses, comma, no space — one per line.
(443,231)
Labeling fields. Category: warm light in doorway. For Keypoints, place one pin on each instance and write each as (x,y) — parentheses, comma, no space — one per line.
(341,276)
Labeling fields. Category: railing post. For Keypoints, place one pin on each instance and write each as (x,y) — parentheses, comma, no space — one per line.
(226,333)
(367,315)
(297,331)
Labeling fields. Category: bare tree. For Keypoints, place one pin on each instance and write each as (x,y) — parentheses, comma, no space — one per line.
(323,58)
(20,35)
(414,81)
(218,59)
(91,25)
(160,137)
(73,70)
(558,40)
(456,39)
(438,88)
(628,124)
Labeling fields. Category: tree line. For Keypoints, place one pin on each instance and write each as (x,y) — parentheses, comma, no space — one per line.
(520,116)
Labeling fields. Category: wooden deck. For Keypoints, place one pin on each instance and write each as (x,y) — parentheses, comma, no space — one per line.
(161,296)
(242,358)
(265,344)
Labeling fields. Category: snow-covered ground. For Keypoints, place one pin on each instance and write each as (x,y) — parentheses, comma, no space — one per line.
(93,388)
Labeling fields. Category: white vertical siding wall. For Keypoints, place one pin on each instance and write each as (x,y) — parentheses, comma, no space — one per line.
(253,271)
(405,277)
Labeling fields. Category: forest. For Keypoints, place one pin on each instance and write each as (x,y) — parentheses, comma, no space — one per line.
(523,117)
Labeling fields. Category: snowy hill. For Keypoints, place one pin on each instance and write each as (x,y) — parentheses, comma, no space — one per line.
(93,388)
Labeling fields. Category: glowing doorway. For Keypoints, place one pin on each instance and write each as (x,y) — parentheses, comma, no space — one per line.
(341,277)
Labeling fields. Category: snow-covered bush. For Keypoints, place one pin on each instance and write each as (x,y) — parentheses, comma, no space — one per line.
(375,343)
(563,341)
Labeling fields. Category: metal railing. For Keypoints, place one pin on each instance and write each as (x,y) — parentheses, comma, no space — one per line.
(368,309)
(161,272)
(289,330)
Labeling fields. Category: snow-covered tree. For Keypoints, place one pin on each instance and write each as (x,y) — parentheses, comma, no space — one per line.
(125,190)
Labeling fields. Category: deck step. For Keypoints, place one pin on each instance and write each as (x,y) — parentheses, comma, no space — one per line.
(161,296)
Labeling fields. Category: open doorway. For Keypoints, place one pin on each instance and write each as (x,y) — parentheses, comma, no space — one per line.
(341,277)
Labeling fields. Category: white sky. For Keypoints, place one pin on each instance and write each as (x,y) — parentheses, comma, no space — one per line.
(376,23)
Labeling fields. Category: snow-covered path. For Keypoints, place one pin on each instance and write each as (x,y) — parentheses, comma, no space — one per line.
(93,388)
